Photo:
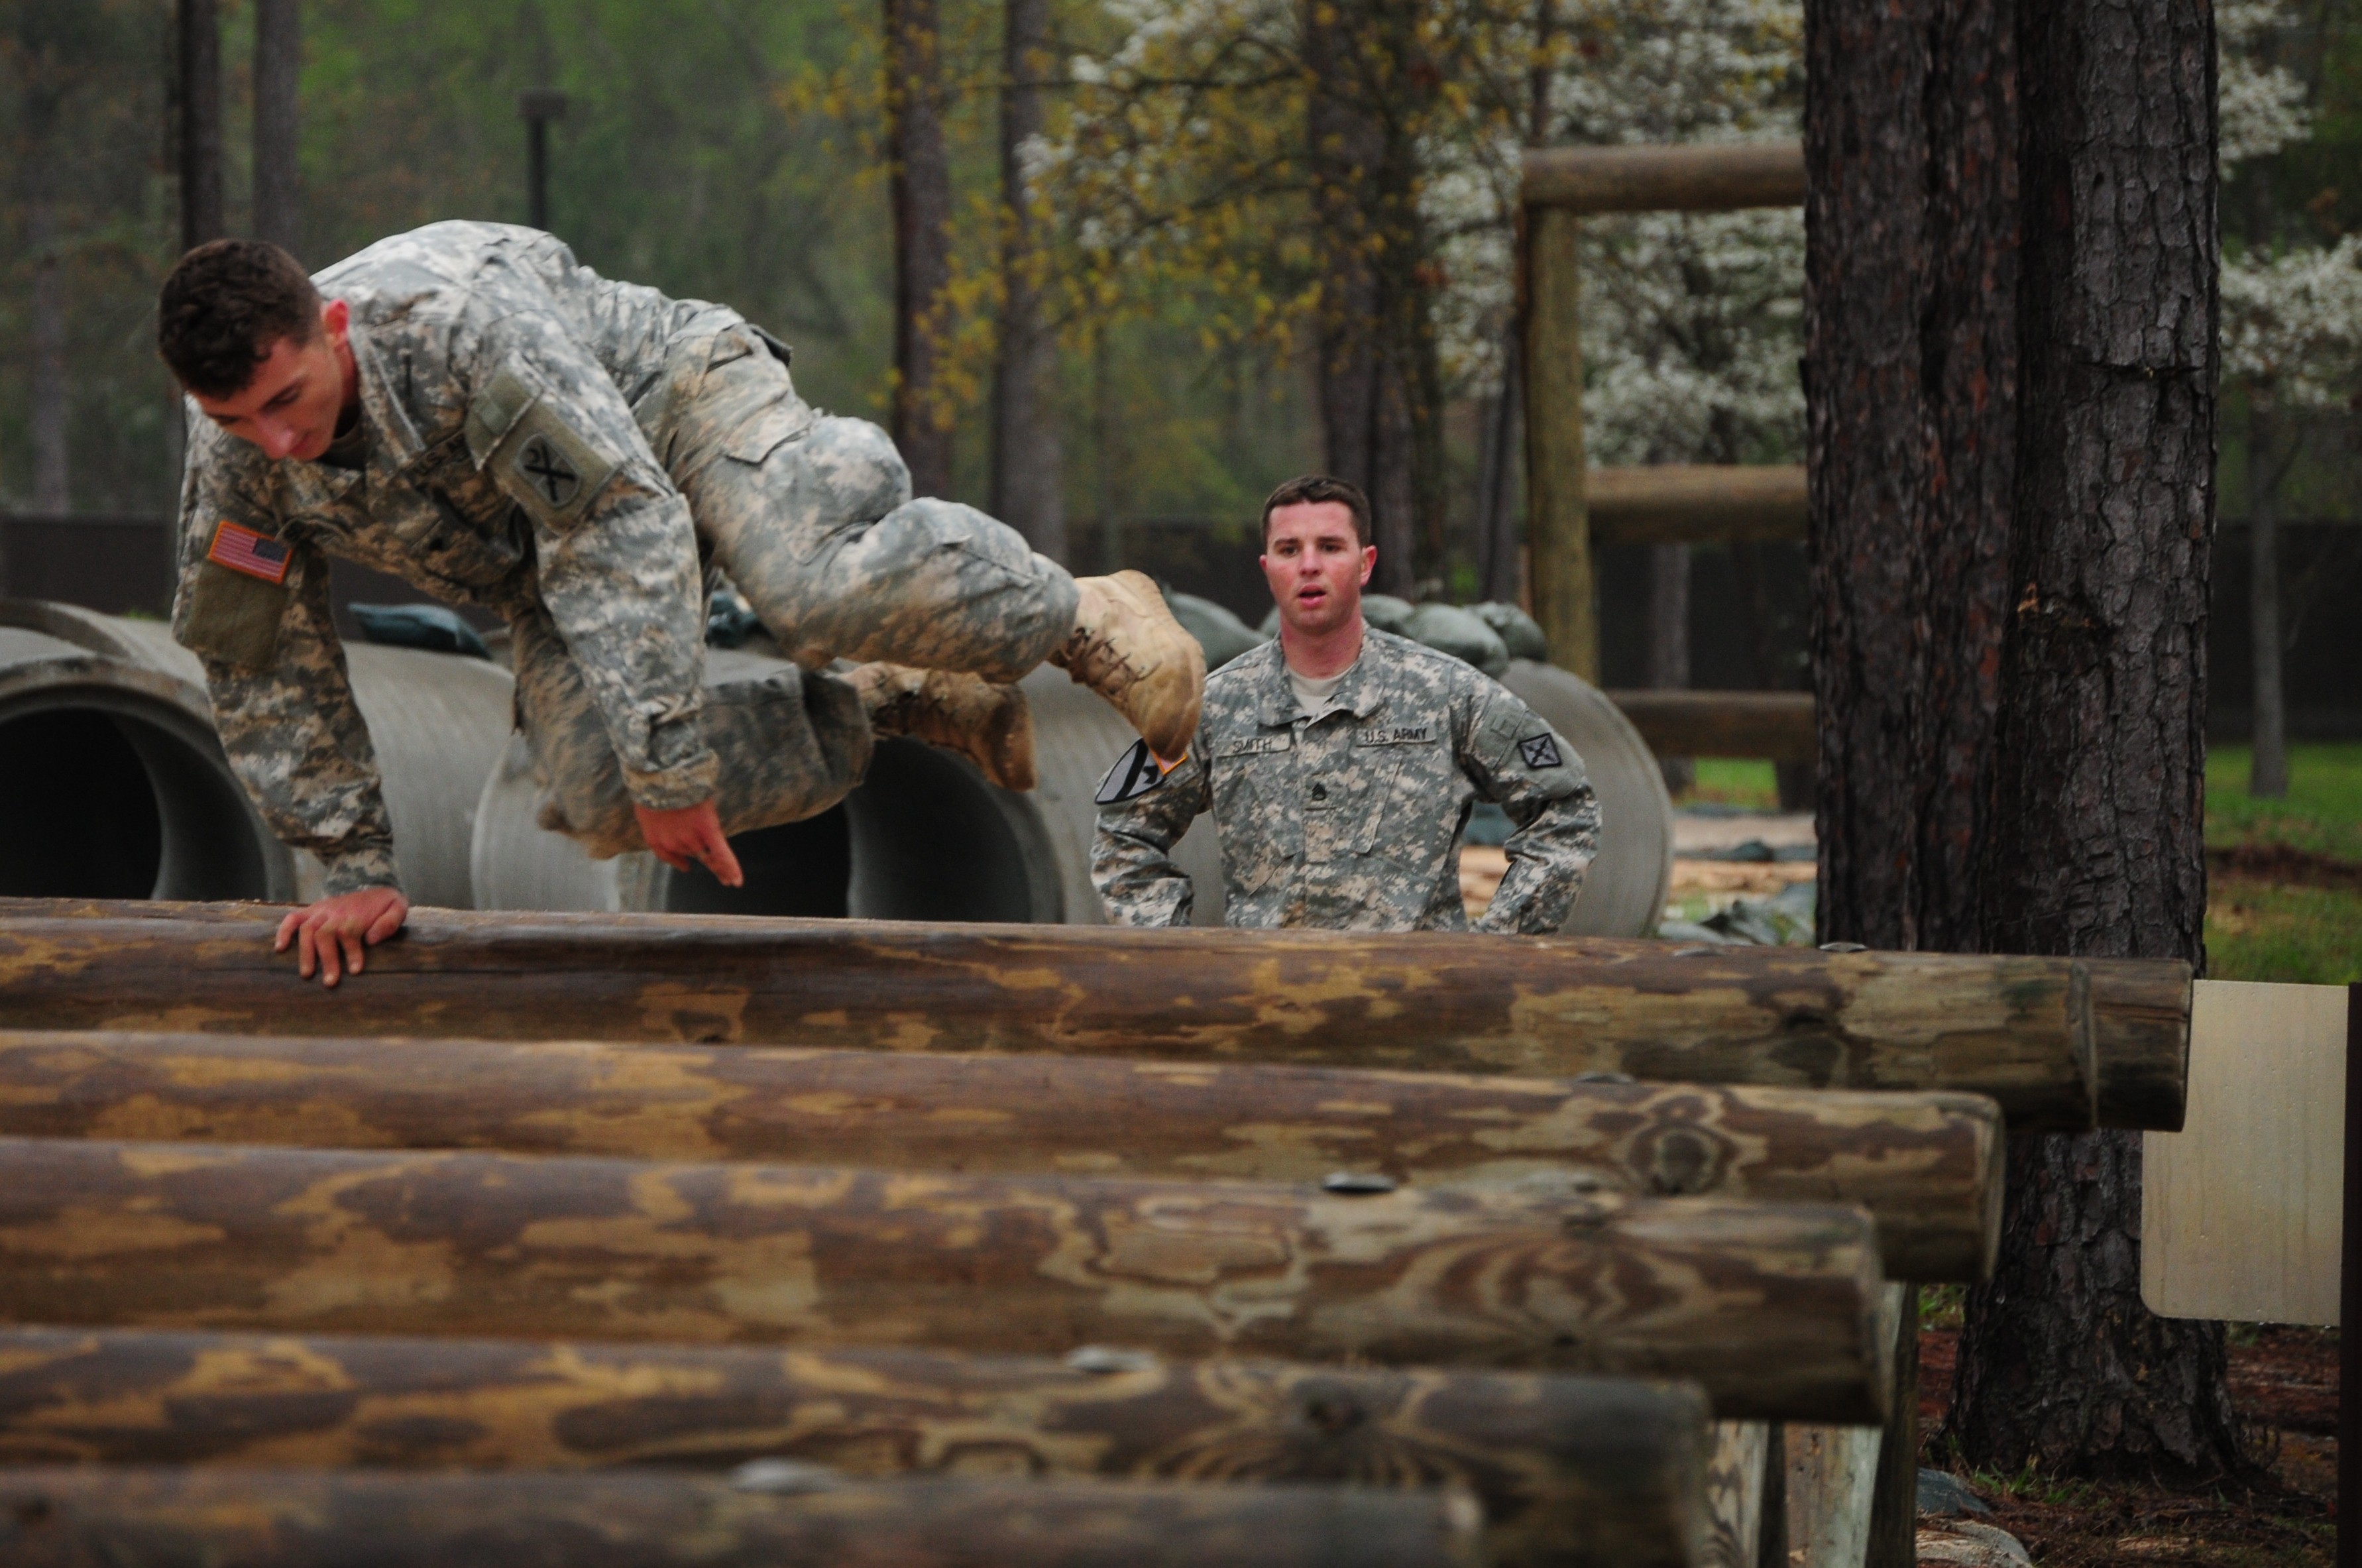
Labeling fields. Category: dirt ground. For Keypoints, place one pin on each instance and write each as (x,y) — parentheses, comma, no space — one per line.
(2284,1381)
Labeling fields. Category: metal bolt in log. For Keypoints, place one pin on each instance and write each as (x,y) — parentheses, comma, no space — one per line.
(202,1518)
(1775,1308)
(1571,1471)
(2021,1029)
(1928,1168)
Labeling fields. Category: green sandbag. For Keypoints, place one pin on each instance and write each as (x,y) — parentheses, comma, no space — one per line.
(1449,629)
(1519,631)
(1222,635)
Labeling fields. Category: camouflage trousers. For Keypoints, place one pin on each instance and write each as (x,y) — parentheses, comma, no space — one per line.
(811,516)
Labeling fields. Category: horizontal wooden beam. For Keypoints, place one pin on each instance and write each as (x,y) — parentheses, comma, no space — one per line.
(1927,1166)
(190,1519)
(1774,724)
(2013,1028)
(1696,504)
(1691,177)
(1775,1308)
(1600,1473)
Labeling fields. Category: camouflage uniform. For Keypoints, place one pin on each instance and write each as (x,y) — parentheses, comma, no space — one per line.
(1350,819)
(572,453)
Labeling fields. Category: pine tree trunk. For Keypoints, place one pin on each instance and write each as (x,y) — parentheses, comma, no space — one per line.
(1029,478)
(277,68)
(2099,767)
(199,91)
(921,194)
(2268,763)
(47,386)
(1377,385)
(1669,642)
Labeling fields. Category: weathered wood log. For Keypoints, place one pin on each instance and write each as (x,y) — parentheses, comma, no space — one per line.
(213,1518)
(1927,1166)
(1691,177)
(1558,533)
(1677,503)
(1736,1472)
(1571,1471)
(1775,1308)
(1774,724)
(2017,1028)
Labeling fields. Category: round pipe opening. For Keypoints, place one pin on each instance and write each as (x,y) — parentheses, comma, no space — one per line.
(107,796)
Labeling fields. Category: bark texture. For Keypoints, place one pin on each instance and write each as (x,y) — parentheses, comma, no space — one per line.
(1572,1472)
(1029,475)
(2035,1034)
(42,91)
(920,191)
(278,68)
(2095,845)
(1911,343)
(198,1518)
(1776,1309)
(1927,1166)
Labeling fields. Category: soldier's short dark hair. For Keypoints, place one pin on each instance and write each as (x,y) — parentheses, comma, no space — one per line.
(224,307)
(1307,488)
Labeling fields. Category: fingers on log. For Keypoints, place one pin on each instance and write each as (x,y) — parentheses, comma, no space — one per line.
(1570,1470)
(1927,1166)
(1771,1306)
(194,1518)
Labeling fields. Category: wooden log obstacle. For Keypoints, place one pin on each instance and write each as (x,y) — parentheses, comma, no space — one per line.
(2059,1043)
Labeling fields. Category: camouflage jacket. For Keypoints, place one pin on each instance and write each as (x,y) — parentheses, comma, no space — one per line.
(514,407)
(1350,819)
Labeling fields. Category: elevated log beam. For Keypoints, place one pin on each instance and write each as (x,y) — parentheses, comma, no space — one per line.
(1775,1308)
(1572,1472)
(1928,1168)
(2020,1030)
(1686,504)
(202,1518)
(1690,178)
(1774,724)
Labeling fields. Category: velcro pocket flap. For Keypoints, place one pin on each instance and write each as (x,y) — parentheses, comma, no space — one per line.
(495,412)
(768,428)
(232,616)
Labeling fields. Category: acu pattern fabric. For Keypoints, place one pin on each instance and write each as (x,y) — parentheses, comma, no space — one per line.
(1350,819)
(574,454)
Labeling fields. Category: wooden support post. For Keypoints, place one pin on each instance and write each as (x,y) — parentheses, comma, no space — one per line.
(1927,1166)
(1736,1473)
(1570,1470)
(1894,1509)
(1558,530)
(2021,1029)
(186,1518)
(1775,1308)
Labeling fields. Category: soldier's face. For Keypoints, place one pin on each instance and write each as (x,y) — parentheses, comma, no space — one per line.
(298,392)
(1314,565)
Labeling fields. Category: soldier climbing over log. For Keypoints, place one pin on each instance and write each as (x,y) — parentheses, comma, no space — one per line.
(468,407)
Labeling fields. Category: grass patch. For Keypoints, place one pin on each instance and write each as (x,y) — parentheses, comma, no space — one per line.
(2262,931)
(1746,782)
(2323,813)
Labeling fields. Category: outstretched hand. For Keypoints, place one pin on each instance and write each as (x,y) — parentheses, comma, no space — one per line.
(691,836)
(331,936)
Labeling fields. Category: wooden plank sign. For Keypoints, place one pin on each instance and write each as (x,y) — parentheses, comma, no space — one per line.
(2241,1209)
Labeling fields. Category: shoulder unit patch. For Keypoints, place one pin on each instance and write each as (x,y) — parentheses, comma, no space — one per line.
(1540,751)
(1135,773)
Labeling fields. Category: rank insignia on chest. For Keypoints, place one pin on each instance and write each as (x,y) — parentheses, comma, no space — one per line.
(249,552)
(1135,773)
(1540,751)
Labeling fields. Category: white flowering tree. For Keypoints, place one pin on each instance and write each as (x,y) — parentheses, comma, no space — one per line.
(2292,343)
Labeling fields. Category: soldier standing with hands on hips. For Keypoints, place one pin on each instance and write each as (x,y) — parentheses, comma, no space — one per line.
(1340,762)
(469,408)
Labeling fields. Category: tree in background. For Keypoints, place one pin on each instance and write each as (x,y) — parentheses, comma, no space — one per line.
(918,177)
(1029,479)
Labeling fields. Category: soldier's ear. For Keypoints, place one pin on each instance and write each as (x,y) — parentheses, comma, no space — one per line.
(337,318)
(1369,562)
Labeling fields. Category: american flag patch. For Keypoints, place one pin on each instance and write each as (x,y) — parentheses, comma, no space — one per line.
(243,549)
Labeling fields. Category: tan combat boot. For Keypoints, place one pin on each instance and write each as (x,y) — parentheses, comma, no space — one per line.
(1127,646)
(990,726)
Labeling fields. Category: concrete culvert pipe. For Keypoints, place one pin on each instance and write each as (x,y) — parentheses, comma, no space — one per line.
(117,787)
(1625,893)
